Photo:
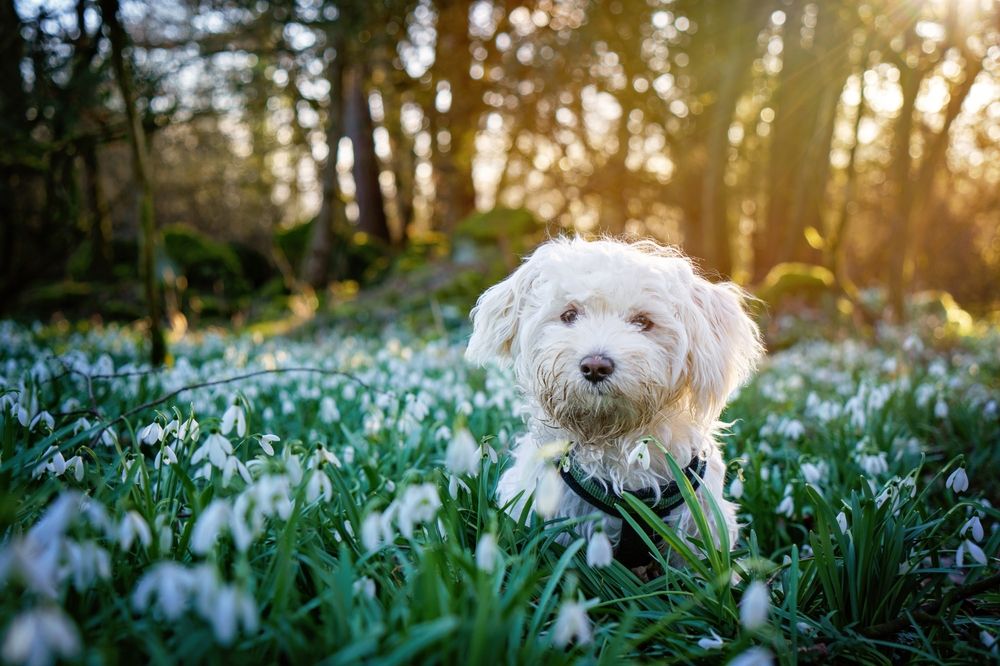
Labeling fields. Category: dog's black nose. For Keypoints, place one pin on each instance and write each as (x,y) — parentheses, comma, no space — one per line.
(596,368)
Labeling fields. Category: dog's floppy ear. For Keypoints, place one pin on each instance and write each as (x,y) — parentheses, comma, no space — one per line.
(724,348)
(494,319)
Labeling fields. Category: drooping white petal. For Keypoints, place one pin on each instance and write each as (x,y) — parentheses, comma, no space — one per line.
(755,606)
(599,551)
(487,552)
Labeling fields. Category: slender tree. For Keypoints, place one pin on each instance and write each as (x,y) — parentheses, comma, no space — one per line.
(316,268)
(140,170)
(358,123)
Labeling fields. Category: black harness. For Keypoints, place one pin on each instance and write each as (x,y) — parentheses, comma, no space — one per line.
(631,550)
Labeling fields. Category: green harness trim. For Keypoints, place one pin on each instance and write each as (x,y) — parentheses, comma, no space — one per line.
(631,550)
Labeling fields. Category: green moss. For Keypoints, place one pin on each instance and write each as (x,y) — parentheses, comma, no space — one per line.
(792,279)
(206,264)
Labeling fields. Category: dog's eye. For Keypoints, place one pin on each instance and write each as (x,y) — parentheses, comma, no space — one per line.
(642,322)
(569,316)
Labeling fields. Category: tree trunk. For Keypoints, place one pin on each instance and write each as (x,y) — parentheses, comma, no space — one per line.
(358,122)
(804,104)
(835,238)
(454,190)
(140,171)
(402,160)
(14,128)
(739,50)
(902,196)
(316,268)
(932,162)
(98,218)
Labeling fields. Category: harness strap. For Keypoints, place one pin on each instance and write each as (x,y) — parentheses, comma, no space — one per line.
(631,550)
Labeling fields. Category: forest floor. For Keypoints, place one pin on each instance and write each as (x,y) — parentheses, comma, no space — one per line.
(329,497)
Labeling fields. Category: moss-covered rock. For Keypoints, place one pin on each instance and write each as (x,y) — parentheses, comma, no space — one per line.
(205,264)
(504,233)
(807,282)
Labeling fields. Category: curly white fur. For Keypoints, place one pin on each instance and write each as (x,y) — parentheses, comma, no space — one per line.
(670,380)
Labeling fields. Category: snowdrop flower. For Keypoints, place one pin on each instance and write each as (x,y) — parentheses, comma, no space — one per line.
(272,495)
(973,549)
(45,418)
(232,466)
(572,624)
(216,448)
(812,472)
(713,643)
(224,606)
(548,493)
(736,488)
(209,526)
(912,344)
(165,589)
(190,428)
(76,464)
(755,656)
(455,484)
(324,455)
(52,462)
(976,526)
(86,563)
(108,438)
(787,505)
(373,532)
(245,522)
(640,453)
(328,412)
(41,636)
(165,456)
(755,606)
(319,486)
(489,452)
(364,586)
(151,434)
(988,639)
(234,416)
(958,481)
(941,409)
(463,456)
(599,553)
(81,424)
(793,429)
(133,526)
(419,504)
(487,553)
(873,465)
(842,522)
(164,532)
(266,441)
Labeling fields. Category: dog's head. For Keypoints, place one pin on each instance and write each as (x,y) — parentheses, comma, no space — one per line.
(608,336)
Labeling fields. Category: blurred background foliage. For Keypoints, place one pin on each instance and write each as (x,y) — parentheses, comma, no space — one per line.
(366,158)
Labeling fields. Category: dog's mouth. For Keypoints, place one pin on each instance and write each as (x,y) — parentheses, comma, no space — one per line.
(598,412)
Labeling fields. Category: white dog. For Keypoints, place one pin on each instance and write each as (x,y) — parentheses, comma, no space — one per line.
(612,344)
